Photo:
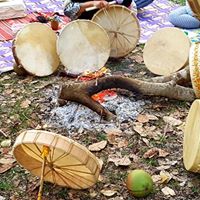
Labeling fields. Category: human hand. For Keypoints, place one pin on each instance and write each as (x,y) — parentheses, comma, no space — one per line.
(100,4)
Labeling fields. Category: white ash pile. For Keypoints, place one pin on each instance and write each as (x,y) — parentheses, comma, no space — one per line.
(74,116)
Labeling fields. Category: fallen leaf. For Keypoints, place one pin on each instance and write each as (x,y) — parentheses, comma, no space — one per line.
(162,153)
(5,167)
(112,134)
(6,161)
(2,198)
(168,191)
(114,131)
(151,153)
(138,127)
(93,194)
(156,178)
(165,177)
(155,151)
(172,121)
(6,143)
(123,143)
(100,163)
(108,193)
(25,103)
(98,146)
(146,141)
(142,118)
(152,117)
(125,161)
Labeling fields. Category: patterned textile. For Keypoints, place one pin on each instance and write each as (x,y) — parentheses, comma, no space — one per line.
(155,16)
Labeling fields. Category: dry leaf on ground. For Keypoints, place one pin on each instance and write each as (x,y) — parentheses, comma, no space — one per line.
(123,143)
(98,146)
(25,103)
(6,143)
(142,118)
(168,191)
(108,193)
(5,167)
(165,177)
(125,161)
(172,121)
(155,151)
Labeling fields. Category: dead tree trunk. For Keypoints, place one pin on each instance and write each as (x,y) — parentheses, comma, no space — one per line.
(161,86)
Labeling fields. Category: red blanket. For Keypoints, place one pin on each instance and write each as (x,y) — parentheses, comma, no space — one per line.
(9,27)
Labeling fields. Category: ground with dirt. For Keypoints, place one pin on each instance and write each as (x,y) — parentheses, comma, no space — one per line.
(153,141)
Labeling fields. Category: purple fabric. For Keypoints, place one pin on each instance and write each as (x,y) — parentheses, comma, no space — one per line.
(152,18)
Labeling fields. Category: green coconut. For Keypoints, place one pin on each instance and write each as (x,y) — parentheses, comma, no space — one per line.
(139,183)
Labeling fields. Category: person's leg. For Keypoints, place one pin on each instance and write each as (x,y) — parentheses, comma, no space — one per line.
(182,19)
(142,3)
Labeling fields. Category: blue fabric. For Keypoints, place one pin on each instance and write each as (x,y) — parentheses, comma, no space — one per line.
(142,3)
(183,18)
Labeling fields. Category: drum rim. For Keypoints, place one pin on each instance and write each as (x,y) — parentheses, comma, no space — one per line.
(79,21)
(194,68)
(137,22)
(17,60)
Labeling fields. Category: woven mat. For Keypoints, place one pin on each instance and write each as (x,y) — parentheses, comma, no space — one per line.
(154,17)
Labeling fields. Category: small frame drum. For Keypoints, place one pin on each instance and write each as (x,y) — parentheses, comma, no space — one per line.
(167,51)
(194,63)
(34,49)
(67,164)
(191,143)
(122,27)
(83,46)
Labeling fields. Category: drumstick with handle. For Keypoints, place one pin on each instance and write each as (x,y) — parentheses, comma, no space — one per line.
(110,3)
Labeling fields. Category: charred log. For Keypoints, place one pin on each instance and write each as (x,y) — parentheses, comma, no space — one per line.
(163,86)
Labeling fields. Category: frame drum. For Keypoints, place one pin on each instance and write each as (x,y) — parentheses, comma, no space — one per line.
(122,27)
(68,163)
(34,49)
(167,51)
(191,143)
(83,46)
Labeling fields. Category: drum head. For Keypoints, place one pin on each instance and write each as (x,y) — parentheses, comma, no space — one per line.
(68,163)
(34,48)
(194,63)
(191,143)
(167,51)
(122,27)
(83,46)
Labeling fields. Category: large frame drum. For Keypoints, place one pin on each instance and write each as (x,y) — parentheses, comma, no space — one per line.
(167,51)
(122,27)
(83,46)
(68,163)
(34,50)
